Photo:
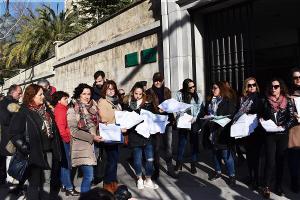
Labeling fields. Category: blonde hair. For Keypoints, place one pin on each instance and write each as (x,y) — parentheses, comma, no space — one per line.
(245,85)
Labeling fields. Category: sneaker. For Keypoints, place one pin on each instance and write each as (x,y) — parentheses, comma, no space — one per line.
(140,184)
(149,184)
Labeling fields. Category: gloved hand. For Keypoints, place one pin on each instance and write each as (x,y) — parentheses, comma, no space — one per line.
(21,146)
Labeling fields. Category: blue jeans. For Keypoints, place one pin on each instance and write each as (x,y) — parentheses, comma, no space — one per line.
(88,174)
(65,176)
(182,140)
(111,167)
(226,155)
(137,156)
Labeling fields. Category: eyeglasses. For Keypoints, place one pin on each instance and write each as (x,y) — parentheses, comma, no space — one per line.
(251,85)
(275,86)
(296,77)
(192,87)
(157,80)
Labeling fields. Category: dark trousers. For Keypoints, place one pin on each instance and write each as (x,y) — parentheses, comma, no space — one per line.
(111,167)
(294,166)
(253,145)
(99,168)
(276,146)
(166,140)
(38,177)
(2,169)
(182,141)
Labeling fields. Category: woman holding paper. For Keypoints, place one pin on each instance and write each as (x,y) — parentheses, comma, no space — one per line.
(221,104)
(108,104)
(251,103)
(279,109)
(83,121)
(294,134)
(188,94)
(140,144)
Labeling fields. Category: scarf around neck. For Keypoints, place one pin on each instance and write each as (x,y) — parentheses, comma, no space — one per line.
(88,115)
(45,116)
(277,103)
(214,104)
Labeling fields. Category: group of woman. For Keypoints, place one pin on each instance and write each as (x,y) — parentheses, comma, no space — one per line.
(70,142)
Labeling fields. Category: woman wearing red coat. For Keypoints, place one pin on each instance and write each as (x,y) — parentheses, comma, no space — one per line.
(60,101)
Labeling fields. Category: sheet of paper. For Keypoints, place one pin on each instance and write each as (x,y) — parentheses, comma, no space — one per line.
(297,104)
(143,129)
(110,132)
(185,121)
(244,126)
(222,121)
(173,106)
(270,126)
(127,119)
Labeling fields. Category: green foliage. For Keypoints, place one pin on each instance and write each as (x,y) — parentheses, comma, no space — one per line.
(35,40)
(92,11)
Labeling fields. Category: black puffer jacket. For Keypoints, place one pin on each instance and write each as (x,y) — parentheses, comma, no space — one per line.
(285,117)
(135,139)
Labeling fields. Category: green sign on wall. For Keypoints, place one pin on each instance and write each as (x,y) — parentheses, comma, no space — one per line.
(131,59)
(149,55)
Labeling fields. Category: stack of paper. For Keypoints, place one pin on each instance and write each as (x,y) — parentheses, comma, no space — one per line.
(152,124)
(110,132)
(173,106)
(221,121)
(185,121)
(127,119)
(244,126)
(270,126)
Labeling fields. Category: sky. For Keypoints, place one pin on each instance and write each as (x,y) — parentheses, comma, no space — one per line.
(56,5)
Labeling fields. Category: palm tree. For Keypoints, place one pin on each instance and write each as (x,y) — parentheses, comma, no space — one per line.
(35,40)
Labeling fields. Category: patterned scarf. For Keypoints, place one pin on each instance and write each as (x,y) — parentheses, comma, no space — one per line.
(88,115)
(277,104)
(46,117)
(214,104)
(245,106)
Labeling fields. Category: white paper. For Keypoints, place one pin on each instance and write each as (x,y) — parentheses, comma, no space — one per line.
(185,121)
(244,126)
(152,124)
(270,126)
(222,121)
(297,104)
(127,119)
(110,132)
(173,106)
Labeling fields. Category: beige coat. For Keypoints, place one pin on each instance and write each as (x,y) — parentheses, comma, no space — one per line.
(82,143)
(107,111)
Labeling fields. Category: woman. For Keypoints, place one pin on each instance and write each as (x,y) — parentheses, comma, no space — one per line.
(294,135)
(43,147)
(189,95)
(60,103)
(251,103)
(221,104)
(139,144)
(83,121)
(108,104)
(278,108)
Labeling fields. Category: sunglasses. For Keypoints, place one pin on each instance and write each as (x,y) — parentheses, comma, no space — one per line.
(192,87)
(296,77)
(215,88)
(251,85)
(157,80)
(275,86)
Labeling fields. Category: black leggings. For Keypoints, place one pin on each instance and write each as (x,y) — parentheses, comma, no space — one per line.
(276,146)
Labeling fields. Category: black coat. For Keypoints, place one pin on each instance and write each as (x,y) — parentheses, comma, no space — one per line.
(34,126)
(222,139)
(285,117)
(5,118)
(135,139)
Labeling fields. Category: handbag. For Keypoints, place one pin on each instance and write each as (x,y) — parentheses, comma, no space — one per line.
(294,137)
(19,163)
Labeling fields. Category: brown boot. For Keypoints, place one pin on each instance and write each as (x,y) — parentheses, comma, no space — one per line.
(115,186)
(111,187)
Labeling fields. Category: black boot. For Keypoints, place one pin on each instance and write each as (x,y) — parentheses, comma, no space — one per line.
(170,170)
(193,168)
(178,166)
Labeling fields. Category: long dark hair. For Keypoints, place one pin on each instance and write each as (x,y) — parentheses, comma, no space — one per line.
(283,88)
(186,95)
(225,91)
(106,86)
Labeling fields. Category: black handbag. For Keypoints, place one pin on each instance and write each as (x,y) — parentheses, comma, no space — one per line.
(19,163)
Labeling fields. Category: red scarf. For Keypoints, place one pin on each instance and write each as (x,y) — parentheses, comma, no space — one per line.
(277,103)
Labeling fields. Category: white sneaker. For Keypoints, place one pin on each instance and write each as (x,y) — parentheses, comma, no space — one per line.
(140,184)
(149,184)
